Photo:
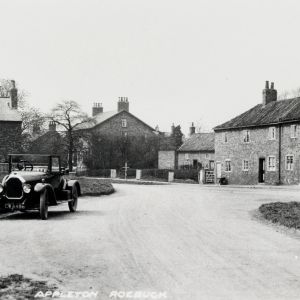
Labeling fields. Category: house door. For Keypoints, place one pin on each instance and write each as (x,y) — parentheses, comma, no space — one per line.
(261,170)
(219,170)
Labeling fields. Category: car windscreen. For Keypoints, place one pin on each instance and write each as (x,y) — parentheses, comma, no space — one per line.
(29,163)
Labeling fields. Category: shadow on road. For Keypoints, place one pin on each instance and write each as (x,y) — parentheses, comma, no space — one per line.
(55,215)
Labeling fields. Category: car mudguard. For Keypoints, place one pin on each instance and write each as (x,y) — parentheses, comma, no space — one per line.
(70,183)
(40,187)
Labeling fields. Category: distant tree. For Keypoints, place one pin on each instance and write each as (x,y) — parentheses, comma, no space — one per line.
(69,116)
(177,135)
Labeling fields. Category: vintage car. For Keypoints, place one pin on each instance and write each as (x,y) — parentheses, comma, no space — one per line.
(35,182)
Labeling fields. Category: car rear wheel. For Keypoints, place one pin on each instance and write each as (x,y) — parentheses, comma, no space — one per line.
(73,203)
(44,197)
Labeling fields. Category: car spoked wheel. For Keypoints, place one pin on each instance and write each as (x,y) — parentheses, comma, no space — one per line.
(44,198)
(73,203)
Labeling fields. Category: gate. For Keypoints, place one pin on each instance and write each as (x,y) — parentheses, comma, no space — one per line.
(209,176)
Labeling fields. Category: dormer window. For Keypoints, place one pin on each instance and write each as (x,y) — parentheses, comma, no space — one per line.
(246,136)
(124,123)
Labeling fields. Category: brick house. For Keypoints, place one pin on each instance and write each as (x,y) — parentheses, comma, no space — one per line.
(51,141)
(124,131)
(10,122)
(261,145)
(198,151)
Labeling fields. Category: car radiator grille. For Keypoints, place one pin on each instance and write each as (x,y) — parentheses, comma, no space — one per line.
(14,188)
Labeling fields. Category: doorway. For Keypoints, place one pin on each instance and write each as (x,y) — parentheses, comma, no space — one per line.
(261,170)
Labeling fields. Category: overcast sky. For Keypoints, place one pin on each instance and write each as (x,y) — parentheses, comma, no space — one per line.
(176,61)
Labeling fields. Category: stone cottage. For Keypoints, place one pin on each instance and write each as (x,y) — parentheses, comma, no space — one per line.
(261,145)
(10,122)
(198,151)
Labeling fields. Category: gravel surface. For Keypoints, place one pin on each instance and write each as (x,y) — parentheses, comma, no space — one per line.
(187,241)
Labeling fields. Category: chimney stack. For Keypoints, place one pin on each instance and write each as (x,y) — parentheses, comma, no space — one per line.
(269,94)
(97,108)
(52,126)
(123,104)
(14,95)
(192,129)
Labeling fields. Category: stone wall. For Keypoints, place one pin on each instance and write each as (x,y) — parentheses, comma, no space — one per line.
(260,146)
(166,159)
(290,146)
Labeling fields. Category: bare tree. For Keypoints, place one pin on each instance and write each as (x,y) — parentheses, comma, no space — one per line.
(69,116)
(289,94)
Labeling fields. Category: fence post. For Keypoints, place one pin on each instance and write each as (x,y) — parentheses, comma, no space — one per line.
(170,176)
(138,174)
(201,176)
(113,173)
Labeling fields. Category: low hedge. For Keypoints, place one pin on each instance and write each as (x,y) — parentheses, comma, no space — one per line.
(146,173)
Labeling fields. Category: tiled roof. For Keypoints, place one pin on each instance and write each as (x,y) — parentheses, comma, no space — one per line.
(7,113)
(199,142)
(275,112)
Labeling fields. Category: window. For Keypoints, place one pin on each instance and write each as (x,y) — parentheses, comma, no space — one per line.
(206,155)
(271,163)
(124,123)
(293,131)
(289,162)
(245,165)
(225,138)
(272,133)
(186,156)
(246,136)
(124,133)
(228,165)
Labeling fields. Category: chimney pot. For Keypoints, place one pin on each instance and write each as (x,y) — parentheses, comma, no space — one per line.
(267,85)
(269,95)
(123,104)
(97,108)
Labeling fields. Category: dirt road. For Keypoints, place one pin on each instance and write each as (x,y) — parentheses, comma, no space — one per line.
(187,241)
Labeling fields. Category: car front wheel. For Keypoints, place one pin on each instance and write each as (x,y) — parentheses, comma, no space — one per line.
(44,197)
(73,203)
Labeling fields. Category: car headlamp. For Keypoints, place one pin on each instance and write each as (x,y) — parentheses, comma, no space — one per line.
(27,188)
(1,188)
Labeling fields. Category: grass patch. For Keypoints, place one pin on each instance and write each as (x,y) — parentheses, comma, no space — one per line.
(17,287)
(287,214)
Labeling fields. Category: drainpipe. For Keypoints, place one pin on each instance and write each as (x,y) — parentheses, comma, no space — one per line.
(279,153)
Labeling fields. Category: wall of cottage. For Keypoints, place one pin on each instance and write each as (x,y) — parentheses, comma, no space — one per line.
(259,146)
(186,158)
(10,138)
(166,159)
(236,150)
(134,127)
(290,146)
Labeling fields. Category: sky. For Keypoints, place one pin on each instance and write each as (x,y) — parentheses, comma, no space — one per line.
(176,61)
